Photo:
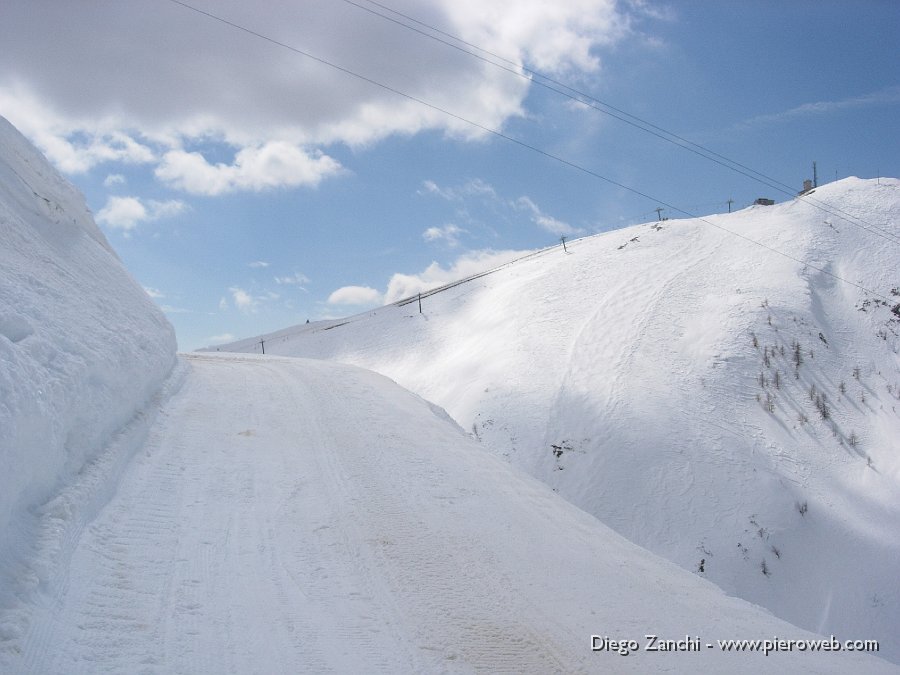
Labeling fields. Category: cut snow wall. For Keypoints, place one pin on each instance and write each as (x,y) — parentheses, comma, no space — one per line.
(82,347)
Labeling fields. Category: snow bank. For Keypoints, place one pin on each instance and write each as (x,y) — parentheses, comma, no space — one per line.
(649,377)
(82,347)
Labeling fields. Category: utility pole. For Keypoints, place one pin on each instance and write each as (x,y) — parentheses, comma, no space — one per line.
(420,303)
(815,176)
(262,343)
(658,210)
(563,240)
(730,202)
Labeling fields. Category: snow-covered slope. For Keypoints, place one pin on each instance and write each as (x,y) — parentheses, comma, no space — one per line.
(730,408)
(284,515)
(82,350)
(291,516)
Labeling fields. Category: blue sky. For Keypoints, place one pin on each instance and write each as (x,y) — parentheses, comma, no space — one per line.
(249,187)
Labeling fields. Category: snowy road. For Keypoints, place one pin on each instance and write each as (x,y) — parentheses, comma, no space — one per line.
(241,542)
(294,516)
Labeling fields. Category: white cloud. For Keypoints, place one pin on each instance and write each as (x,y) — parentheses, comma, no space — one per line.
(355,295)
(171,207)
(657,11)
(272,165)
(258,264)
(122,213)
(488,196)
(271,105)
(74,144)
(474,262)
(448,233)
(430,187)
(125,213)
(156,294)
(295,279)
(545,221)
(220,339)
(169,309)
(472,188)
(887,96)
(114,179)
(243,300)
(550,36)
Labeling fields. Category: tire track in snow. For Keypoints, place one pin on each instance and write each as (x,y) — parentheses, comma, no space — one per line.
(117,608)
(156,580)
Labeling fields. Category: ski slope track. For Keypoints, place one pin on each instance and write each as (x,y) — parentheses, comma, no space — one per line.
(287,515)
(729,408)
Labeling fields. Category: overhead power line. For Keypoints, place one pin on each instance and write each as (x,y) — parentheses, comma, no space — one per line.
(536,77)
(518,142)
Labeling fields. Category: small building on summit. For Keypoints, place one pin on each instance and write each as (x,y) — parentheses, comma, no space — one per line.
(764,201)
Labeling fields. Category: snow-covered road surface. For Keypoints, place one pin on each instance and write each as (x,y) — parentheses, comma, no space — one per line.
(294,516)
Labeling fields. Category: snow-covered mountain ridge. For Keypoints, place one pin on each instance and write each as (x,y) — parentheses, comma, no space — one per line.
(730,408)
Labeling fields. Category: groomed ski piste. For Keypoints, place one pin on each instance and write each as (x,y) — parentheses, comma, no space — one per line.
(234,513)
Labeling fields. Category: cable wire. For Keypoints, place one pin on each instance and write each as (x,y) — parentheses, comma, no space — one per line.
(518,142)
(551,84)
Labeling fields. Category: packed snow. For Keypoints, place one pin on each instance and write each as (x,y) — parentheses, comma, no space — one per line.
(730,408)
(291,516)
(229,513)
(82,351)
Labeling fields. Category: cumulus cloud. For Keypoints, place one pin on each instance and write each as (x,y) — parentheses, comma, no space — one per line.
(355,295)
(243,300)
(201,80)
(122,213)
(114,179)
(74,144)
(474,262)
(272,165)
(154,293)
(125,213)
(448,233)
(549,37)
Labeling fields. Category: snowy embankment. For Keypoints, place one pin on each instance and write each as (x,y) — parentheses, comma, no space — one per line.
(293,516)
(729,408)
(82,351)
